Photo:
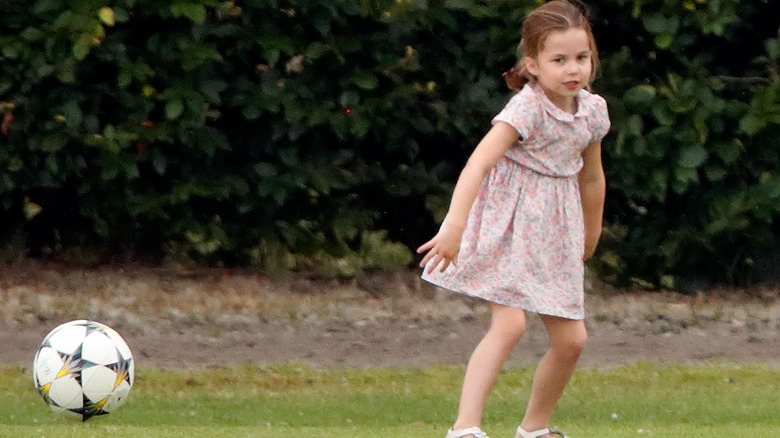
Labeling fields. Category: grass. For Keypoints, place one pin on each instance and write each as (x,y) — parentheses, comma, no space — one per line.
(643,400)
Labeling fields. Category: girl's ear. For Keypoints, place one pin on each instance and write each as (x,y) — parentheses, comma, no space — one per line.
(531,65)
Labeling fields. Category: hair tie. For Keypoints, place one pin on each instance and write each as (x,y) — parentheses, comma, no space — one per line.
(514,79)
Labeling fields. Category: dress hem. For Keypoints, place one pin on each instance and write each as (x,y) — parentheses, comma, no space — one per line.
(518,304)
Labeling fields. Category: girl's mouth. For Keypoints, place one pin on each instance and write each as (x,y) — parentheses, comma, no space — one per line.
(571,85)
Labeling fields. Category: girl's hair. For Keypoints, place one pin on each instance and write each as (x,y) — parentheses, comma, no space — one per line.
(557,15)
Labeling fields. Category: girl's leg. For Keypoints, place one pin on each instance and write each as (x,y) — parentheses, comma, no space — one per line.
(567,338)
(506,328)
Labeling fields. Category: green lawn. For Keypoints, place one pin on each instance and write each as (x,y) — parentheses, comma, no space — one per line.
(717,400)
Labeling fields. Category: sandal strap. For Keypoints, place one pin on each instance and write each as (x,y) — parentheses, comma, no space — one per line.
(535,434)
(539,433)
(475,431)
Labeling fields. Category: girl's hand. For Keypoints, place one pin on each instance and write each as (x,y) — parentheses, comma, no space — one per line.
(590,247)
(592,192)
(444,247)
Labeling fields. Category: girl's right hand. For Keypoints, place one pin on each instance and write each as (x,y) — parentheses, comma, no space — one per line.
(442,249)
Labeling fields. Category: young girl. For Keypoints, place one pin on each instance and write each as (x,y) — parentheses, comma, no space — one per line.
(525,214)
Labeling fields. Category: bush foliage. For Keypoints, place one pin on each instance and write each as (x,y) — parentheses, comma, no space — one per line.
(269,132)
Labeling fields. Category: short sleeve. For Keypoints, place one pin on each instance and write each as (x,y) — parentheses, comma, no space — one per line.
(598,120)
(523,112)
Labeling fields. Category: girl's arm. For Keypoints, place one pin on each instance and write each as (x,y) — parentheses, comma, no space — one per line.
(592,191)
(446,244)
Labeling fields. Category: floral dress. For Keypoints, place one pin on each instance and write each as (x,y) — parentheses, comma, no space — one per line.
(523,243)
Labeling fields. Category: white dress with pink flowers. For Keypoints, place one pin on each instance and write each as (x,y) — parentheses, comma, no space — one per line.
(524,240)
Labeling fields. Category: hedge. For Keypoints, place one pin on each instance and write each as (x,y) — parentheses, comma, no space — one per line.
(328,134)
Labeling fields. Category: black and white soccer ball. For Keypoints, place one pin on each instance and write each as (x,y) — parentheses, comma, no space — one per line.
(84,367)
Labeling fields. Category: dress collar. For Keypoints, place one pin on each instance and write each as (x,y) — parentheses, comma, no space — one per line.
(553,109)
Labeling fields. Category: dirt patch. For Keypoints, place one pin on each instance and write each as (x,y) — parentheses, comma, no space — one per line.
(178,317)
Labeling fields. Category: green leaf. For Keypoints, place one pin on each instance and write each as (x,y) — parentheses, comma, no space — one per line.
(12,51)
(663,115)
(106,15)
(32,34)
(265,170)
(289,157)
(457,4)
(773,48)
(54,142)
(692,156)
(673,25)
(41,7)
(80,49)
(174,109)
(315,50)
(195,12)
(349,99)
(209,140)
(751,124)
(640,95)
(31,209)
(684,177)
(715,173)
(447,19)
(728,151)
(213,89)
(322,22)
(655,23)
(339,123)
(124,78)
(73,115)
(366,81)
(160,163)
(275,40)
(120,15)
(634,126)
(360,127)
(14,165)
(664,41)
(251,112)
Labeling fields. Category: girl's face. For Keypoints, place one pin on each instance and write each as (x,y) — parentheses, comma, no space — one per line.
(563,66)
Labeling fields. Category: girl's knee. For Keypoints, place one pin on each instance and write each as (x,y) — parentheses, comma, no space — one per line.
(574,344)
(579,339)
(508,326)
(509,332)
(515,333)
(570,341)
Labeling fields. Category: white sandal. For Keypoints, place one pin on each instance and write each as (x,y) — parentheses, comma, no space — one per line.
(460,433)
(538,433)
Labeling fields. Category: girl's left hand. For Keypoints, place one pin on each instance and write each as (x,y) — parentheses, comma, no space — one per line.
(591,242)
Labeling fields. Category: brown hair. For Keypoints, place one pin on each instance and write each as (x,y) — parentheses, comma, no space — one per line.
(557,15)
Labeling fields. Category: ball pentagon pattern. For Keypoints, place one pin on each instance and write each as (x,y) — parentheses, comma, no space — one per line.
(84,367)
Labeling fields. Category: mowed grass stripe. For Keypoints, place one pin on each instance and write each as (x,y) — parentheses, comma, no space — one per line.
(716,400)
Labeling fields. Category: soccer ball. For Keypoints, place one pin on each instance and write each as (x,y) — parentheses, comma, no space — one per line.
(84,367)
